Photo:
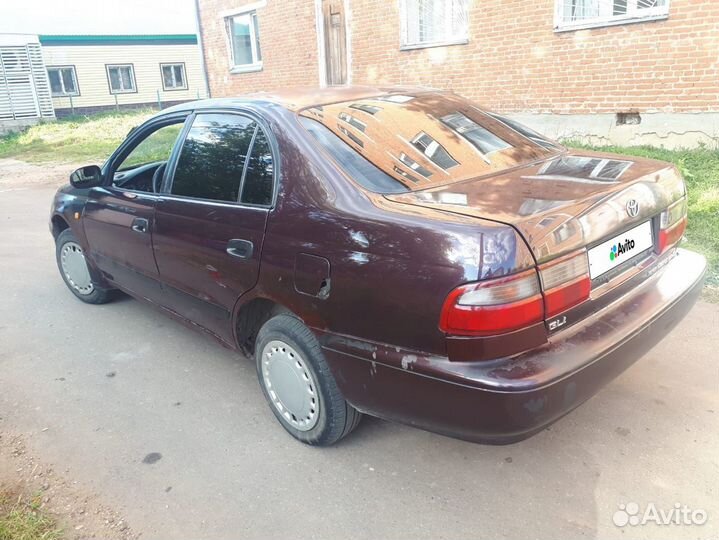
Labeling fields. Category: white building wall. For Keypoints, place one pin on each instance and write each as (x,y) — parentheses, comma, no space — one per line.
(90,63)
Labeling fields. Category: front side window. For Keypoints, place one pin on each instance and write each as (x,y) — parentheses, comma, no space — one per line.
(154,148)
(572,14)
(244,35)
(121,79)
(433,22)
(63,81)
(213,157)
(173,76)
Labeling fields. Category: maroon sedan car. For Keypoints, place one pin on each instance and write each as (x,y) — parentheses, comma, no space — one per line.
(396,252)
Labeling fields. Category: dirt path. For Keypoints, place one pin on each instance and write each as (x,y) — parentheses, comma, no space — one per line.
(79,512)
(16,174)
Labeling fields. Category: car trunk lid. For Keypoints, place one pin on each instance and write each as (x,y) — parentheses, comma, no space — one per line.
(572,201)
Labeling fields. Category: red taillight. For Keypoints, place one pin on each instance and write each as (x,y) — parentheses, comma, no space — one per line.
(562,298)
(671,236)
(565,282)
(672,225)
(494,306)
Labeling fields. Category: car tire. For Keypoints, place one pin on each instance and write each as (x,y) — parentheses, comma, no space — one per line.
(298,384)
(75,272)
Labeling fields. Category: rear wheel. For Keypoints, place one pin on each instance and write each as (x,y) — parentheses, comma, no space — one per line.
(74,271)
(298,385)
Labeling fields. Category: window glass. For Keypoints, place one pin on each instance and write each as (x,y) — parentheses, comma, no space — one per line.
(245,37)
(62,81)
(434,151)
(68,81)
(257,187)
(364,107)
(432,138)
(55,82)
(599,12)
(484,140)
(256,28)
(173,76)
(213,157)
(412,164)
(433,21)
(115,83)
(122,78)
(154,148)
(362,171)
(351,120)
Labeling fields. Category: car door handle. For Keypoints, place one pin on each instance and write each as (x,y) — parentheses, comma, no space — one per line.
(240,248)
(140,225)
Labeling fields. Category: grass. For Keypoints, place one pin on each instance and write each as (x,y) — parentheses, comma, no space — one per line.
(156,147)
(76,139)
(22,519)
(700,168)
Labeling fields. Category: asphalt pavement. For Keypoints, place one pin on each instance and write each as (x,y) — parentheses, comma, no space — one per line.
(172,430)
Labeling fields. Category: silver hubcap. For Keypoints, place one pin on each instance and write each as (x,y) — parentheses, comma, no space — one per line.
(290,385)
(74,267)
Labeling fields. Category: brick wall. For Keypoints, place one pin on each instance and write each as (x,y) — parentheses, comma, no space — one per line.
(288,42)
(514,60)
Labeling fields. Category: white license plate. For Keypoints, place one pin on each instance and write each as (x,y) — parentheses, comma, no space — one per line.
(620,249)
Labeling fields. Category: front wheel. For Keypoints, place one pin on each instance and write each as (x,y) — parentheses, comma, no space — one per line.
(297,382)
(74,271)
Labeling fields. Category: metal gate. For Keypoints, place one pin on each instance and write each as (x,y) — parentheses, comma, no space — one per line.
(24,87)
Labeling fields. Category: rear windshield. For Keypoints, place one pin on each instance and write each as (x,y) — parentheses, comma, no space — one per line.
(398,142)
(366,174)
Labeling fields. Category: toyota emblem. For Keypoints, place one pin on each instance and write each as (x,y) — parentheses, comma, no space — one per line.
(632,208)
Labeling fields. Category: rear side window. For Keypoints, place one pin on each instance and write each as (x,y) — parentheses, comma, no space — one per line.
(213,157)
(257,187)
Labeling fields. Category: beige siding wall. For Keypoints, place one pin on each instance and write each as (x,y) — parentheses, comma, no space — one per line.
(90,61)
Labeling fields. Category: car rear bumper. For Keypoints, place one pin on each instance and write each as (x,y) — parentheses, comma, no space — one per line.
(505,400)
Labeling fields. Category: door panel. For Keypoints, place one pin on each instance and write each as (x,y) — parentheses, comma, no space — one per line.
(118,218)
(123,253)
(335,41)
(207,244)
(202,279)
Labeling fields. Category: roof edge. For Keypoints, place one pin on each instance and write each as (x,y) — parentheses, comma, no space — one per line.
(118,39)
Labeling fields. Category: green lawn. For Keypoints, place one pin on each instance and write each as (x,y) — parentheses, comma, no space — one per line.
(700,168)
(77,139)
(23,519)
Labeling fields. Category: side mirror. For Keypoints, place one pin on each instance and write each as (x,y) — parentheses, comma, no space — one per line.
(86,177)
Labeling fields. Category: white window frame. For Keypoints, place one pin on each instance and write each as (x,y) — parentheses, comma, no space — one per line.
(64,93)
(406,45)
(108,67)
(606,18)
(227,16)
(184,76)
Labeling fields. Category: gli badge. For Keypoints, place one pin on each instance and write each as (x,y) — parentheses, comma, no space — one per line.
(632,207)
